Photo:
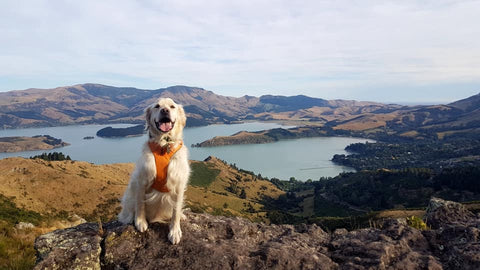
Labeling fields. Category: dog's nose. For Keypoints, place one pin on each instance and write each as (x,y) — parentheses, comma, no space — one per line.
(164,110)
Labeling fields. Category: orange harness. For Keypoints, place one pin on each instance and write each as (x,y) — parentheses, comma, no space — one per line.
(162,159)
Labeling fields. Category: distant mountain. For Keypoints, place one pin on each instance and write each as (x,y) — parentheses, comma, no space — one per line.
(101,104)
(284,104)
(468,104)
(460,118)
(95,103)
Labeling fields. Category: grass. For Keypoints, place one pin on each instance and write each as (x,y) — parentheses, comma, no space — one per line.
(105,211)
(16,246)
(202,175)
(12,215)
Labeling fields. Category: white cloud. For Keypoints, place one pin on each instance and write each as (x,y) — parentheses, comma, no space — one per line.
(322,48)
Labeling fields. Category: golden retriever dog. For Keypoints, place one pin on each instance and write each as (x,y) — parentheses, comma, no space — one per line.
(157,185)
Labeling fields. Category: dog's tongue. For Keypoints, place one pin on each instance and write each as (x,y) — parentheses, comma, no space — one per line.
(166,127)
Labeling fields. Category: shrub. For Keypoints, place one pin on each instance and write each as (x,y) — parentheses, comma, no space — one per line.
(12,215)
(417,223)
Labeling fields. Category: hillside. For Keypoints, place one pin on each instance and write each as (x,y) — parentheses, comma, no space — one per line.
(467,104)
(91,191)
(19,144)
(49,187)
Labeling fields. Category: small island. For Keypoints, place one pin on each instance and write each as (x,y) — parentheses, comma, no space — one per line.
(110,132)
(20,144)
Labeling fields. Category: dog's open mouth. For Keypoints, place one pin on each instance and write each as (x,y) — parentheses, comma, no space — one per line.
(165,124)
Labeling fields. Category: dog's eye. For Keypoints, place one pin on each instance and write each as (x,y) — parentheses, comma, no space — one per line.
(157,106)
(172,107)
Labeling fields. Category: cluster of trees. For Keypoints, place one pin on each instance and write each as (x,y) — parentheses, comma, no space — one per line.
(291,185)
(235,189)
(462,178)
(385,189)
(50,140)
(426,154)
(54,156)
(352,194)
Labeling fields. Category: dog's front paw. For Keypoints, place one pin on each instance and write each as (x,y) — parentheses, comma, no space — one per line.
(175,234)
(141,224)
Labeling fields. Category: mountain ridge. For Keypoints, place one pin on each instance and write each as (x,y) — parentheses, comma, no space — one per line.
(102,104)
(96,103)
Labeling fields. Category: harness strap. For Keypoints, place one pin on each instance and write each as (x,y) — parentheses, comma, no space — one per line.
(162,159)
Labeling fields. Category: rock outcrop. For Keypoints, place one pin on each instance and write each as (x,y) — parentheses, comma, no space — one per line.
(215,242)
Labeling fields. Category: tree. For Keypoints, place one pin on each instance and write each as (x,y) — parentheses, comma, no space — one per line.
(243,194)
(54,156)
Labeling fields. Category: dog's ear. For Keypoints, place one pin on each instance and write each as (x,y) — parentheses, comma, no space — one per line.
(148,114)
(182,118)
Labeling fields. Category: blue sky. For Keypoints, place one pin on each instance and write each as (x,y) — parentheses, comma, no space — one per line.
(388,51)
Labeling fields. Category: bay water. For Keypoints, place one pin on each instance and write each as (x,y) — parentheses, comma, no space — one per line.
(308,158)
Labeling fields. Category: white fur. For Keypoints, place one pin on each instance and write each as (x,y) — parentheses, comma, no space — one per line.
(144,205)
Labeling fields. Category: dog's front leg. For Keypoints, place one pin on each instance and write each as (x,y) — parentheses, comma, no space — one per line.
(175,233)
(140,218)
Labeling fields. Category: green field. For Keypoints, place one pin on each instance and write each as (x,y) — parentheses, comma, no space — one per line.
(202,175)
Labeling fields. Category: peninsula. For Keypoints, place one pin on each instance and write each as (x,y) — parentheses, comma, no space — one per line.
(276,134)
(39,142)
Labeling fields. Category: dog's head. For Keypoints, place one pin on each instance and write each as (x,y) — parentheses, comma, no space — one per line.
(165,120)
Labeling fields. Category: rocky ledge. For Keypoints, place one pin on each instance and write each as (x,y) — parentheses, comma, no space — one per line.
(215,242)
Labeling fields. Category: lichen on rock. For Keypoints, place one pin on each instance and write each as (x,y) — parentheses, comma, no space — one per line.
(216,242)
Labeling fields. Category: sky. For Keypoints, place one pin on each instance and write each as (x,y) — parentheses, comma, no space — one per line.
(378,50)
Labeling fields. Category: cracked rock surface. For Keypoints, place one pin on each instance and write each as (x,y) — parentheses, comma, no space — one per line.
(215,242)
